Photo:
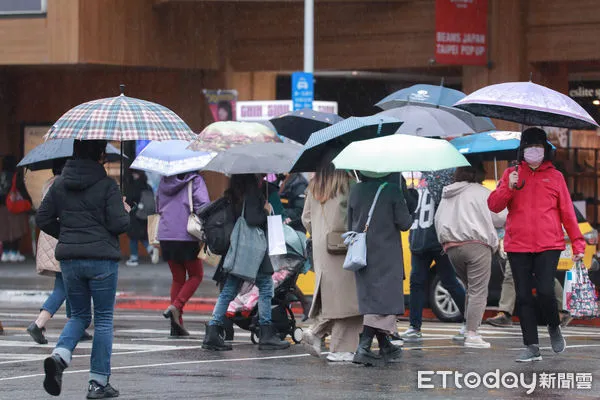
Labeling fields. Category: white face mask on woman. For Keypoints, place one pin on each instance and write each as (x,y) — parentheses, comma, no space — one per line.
(534,155)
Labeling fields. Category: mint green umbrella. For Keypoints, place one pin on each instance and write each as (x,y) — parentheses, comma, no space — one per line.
(400,153)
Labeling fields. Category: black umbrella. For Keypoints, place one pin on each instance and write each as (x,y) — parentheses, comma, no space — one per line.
(300,124)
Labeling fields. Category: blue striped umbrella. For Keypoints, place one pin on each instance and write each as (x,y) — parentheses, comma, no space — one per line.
(338,136)
(120,118)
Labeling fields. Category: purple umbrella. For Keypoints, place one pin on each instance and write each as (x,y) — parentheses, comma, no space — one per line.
(529,104)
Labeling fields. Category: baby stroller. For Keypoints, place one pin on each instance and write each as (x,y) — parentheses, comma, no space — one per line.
(243,310)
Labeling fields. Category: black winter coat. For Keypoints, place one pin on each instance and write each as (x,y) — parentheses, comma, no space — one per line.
(294,191)
(138,230)
(84,211)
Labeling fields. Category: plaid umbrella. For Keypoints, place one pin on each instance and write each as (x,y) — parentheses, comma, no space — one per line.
(220,136)
(120,118)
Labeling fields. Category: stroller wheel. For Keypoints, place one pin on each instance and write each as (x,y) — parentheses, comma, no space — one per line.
(254,337)
(297,335)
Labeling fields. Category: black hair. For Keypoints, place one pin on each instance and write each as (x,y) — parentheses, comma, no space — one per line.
(242,185)
(89,149)
(226,105)
(474,173)
(57,165)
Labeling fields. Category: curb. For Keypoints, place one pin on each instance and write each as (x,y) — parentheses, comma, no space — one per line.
(159,303)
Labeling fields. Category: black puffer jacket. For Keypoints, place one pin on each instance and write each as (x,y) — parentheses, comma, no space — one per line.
(90,209)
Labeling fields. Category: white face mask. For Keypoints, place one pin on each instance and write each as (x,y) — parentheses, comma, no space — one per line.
(534,155)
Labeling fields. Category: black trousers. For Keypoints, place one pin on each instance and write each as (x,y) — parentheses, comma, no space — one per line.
(11,245)
(529,270)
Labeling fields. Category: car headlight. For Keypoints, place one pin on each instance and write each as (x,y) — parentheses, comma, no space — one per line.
(591,237)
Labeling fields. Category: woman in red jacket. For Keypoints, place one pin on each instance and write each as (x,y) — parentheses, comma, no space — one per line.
(539,205)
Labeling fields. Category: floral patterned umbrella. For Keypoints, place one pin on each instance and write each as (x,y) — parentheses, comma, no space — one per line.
(220,136)
(529,104)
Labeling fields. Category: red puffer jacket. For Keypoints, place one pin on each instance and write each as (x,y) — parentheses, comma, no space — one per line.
(537,212)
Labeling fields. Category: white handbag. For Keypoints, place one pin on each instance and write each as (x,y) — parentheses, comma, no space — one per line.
(194,223)
(356,257)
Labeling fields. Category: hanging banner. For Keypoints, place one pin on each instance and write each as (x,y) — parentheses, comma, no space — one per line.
(461,32)
(222,103)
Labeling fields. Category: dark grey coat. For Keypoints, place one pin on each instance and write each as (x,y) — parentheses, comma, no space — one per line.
(379,284)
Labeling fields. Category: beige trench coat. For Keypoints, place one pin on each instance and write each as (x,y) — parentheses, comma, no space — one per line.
(45,263)
(335,288)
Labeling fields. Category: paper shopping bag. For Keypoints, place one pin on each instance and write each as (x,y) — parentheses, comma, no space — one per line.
(276,236)
(153,221)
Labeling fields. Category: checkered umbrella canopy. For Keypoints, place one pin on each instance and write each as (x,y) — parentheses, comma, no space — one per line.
(120,118)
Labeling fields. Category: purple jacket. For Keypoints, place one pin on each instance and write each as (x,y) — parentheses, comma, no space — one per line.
(173,205)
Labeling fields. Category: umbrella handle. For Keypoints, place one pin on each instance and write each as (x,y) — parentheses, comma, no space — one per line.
(519,186)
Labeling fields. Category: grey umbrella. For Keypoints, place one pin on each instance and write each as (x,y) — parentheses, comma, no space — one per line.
(431,121)
(42,156)
(255,158)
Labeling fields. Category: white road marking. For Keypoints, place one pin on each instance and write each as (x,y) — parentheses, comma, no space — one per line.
(167,365)
(568,347)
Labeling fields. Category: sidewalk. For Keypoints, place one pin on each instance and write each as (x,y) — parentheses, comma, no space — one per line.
(146,286)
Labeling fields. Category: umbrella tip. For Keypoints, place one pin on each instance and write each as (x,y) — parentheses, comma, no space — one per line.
(530,76)
(122,88)
(442,82)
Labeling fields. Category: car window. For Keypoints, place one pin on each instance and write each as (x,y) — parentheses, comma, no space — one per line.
(580,217)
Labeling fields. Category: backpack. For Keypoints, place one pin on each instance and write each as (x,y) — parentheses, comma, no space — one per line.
(147,205)
(15,202)
(218,220)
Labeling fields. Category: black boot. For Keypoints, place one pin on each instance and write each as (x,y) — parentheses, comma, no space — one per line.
(213,340)
(178,331)
(388,351)
(363,354)
(269,340)
(54,367)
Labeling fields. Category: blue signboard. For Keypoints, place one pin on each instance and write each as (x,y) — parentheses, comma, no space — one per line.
(302,90)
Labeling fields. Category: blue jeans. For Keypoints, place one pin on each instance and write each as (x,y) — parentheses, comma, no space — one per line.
(264,283)
(133,247)
(57,297)
(87,280)
(419,278)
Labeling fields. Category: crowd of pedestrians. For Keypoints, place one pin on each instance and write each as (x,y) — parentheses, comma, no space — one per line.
(453,221)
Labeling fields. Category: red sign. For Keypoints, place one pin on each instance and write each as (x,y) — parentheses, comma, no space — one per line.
(461,32)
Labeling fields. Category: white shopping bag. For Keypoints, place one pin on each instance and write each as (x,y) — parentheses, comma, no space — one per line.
(276,236)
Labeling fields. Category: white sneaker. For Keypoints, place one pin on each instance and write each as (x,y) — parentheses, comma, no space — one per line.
(13,257)
(476,342)
(460,336)
(154,255)
(340,356)
(5,257)
(20,257)
(312,342)
(132,262)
